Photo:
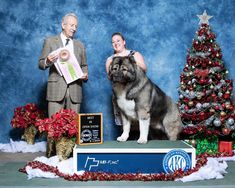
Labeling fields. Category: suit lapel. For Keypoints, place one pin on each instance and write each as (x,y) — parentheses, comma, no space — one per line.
(76,48)
(58,42)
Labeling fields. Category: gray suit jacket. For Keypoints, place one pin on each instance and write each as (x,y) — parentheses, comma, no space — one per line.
(56,85)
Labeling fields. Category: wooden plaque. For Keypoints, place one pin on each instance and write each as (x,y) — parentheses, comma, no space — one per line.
(90,129)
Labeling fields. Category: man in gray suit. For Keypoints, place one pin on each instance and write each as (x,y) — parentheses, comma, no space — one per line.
(59,93)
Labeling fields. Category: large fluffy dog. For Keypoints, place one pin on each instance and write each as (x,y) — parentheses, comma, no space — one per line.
(139,99)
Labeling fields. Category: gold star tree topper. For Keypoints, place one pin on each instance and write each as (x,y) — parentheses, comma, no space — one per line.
(204,18)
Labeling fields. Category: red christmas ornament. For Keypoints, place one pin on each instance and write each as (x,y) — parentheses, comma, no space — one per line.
(224,89)
(230,107)
(191,88)
(226,96)
(182,76)
(218,76)
(223,105)
(202,114)
(186,108)
(226,131)
(185,69)
(202,81)
(222,119)
(214,97)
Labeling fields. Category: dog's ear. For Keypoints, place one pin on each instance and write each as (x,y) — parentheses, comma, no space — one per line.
(114,60)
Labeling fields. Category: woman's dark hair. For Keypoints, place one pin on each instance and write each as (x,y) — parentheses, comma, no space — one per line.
(119,34)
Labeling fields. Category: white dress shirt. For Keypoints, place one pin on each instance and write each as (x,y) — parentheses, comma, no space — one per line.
(69,45)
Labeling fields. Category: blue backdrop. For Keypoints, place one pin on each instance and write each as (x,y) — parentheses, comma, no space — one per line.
(162,30)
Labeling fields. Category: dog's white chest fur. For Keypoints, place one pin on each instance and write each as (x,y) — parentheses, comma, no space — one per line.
(128,106)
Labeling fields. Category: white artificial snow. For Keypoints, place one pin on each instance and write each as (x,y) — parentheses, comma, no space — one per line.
(22,146)
(65,166)
(212,170)
(37,173)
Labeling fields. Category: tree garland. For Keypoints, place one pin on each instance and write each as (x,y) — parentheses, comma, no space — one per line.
(104,176)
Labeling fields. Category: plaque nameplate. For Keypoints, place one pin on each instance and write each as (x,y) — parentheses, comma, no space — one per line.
(90,129)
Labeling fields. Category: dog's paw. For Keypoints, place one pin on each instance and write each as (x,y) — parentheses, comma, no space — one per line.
(142,141)
(122,138)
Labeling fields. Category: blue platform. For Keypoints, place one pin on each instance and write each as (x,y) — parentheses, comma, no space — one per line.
(130,157)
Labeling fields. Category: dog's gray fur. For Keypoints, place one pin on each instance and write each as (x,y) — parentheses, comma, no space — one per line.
(141,100)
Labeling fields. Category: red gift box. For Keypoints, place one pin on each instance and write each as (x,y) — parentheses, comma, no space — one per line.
(226,146)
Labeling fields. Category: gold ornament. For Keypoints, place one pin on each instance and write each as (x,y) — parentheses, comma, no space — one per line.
(222,113)
(190,103)
(212,110)
(183,86)
(193,142)
(199,97)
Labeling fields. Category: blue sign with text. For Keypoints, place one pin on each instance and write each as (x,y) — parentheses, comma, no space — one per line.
(134,162)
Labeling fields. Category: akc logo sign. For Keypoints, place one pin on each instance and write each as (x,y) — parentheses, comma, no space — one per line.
(176,159)
(86,135)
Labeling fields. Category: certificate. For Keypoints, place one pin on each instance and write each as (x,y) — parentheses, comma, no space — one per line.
(67,65)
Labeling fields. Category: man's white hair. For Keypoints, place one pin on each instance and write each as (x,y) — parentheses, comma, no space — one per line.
(64,19)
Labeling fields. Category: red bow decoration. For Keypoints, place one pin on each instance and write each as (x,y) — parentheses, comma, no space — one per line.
(201,73)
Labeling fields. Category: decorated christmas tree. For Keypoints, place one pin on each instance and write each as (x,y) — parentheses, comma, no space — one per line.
(205,93)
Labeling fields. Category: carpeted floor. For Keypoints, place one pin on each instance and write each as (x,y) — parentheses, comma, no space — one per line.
(10,163)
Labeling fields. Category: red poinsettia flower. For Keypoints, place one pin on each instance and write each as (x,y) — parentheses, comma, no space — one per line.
(25,116)
(62,123)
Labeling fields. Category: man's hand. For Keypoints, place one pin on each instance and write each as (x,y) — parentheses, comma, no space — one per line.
(84,77)
(51,58)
